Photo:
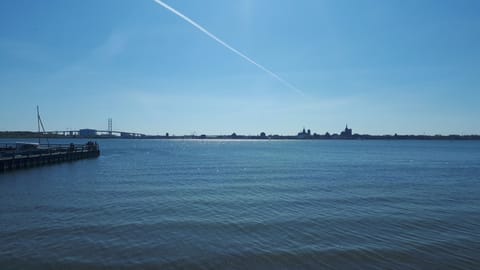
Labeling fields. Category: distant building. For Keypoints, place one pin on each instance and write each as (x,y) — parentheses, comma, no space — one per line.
(86,132)
(347,132)
(304,134)
(126,135)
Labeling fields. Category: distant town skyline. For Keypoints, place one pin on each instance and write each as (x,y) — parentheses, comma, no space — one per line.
(405,67)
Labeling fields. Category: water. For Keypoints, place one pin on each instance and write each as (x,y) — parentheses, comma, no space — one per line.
(156,204)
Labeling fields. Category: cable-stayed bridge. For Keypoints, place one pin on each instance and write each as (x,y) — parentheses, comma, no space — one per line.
(94,133)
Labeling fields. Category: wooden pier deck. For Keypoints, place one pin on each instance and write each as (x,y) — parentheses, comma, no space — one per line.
(10,159)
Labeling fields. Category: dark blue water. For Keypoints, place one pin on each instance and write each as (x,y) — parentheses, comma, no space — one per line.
(248,205)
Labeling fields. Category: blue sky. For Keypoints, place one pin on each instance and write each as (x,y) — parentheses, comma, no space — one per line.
(383,67)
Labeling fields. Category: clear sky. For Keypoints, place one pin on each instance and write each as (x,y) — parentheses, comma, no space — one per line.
(383,67)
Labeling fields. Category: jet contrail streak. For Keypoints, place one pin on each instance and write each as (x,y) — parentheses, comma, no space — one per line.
(223,43)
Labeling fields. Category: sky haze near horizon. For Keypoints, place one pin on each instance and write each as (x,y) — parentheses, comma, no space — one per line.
(383,67)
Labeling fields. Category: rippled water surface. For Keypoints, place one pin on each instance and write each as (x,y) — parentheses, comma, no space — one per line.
(157,204)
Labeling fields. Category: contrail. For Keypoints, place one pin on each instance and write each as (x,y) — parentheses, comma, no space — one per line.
(224,44)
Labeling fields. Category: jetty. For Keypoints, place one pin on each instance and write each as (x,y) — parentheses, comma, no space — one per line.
(26,155)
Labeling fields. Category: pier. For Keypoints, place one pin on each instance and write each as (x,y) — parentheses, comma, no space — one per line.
(27,155)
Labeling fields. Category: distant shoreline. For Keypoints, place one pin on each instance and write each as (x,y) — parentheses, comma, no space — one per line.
(29,135)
